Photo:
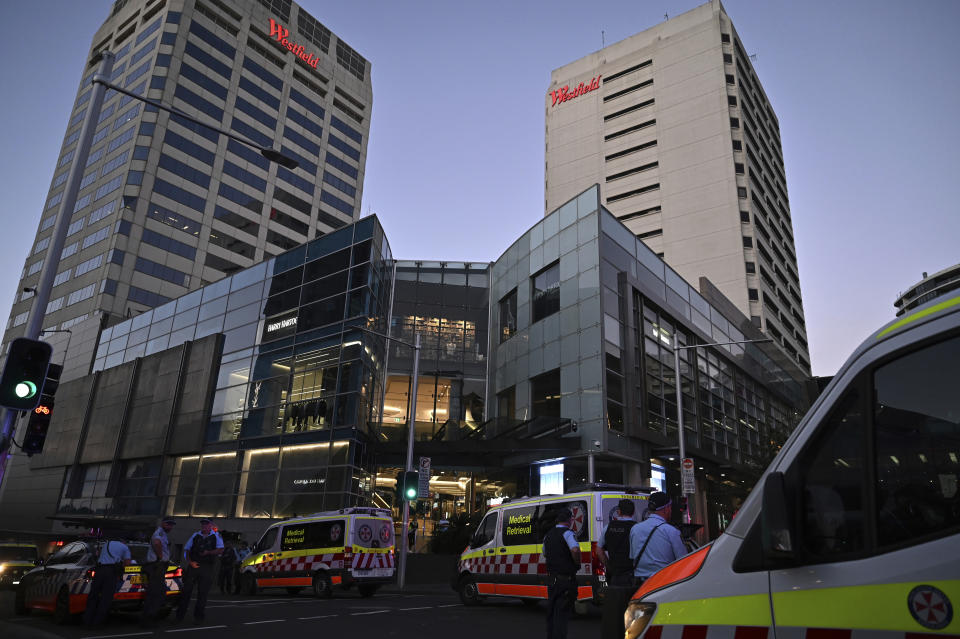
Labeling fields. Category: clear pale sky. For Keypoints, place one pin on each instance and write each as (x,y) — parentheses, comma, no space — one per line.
(867,93)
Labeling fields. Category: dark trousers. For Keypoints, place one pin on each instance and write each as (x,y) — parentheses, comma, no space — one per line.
(101,593)
(561,595)
(202,579)
(156,588)
(225,578)
(616,595)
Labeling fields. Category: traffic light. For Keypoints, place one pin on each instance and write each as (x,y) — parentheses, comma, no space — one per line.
(24,373)
(39,421)
(410,480)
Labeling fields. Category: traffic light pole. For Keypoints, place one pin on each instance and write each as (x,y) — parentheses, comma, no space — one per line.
(64,212)
(402,569)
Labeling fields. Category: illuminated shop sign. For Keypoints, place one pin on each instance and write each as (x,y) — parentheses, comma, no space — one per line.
(282,34)
(563,94)
(280,325)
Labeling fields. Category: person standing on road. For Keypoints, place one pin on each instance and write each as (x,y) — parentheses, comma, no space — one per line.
(114,557)
(615,556)
(654,542)
(562,554)
(201,552)
(412,534)
(158,559)
(228,565)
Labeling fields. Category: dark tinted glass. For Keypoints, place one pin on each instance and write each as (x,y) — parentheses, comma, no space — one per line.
(546,292)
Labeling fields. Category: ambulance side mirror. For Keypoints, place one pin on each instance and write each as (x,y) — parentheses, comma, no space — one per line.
(778,533)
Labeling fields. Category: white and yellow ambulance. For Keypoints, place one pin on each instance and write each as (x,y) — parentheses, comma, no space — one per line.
(854,529)
(324,551)
(505,554)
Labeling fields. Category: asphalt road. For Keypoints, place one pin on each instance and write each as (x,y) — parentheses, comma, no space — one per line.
(421,612)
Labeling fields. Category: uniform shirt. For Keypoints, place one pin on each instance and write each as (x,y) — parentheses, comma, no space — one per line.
(160,534)
(113,552)
(665,546)
(569,537)
(186,549)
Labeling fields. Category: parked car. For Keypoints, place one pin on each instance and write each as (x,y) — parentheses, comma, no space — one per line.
(15,560)
(62,583)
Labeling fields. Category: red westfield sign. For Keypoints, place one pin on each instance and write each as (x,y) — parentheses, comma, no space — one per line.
(563,94)
(281,33)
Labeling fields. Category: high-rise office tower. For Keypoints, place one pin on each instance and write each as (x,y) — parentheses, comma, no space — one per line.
(675,127)
(167,206)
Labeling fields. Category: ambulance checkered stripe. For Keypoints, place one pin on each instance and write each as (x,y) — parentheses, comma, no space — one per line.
(512,564)
(304,563)
(761,632)
(368,561)
(82,586)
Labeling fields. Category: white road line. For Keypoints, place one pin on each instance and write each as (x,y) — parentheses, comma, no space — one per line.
(129,634)
(449,605)
(318,617)
(253,623)
(197,628)
(417,608)
(373,612)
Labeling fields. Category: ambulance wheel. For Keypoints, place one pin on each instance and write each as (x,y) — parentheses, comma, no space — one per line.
(294,591)
(248,585)
(469,594)
(61,611)
(20,603)
(322,587)
(367,590)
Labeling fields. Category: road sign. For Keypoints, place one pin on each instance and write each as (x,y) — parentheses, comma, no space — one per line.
(424,487)
(686,476)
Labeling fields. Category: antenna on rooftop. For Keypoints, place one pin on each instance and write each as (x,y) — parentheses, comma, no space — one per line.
(753,57)
(603,40)
(666,16)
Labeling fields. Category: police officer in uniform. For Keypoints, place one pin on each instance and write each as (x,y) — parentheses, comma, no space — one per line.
(562,554)
(114,556)
(615,555)
(655,543)
(201,551)
(158,559)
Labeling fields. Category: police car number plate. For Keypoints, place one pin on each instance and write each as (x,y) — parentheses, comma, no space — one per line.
(373,572)
(136,579)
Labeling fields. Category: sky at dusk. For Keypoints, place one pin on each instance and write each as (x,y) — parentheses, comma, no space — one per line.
(867,94)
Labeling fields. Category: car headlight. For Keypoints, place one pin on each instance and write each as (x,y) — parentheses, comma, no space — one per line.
(637,618)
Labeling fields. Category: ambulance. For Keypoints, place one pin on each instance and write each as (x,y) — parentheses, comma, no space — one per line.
(854,529)
(325,551)
(505,555)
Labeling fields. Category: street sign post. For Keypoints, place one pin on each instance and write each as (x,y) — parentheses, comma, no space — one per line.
(424,486)
(686,476)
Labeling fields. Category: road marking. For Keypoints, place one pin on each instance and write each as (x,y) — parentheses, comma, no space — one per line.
(129,634)
(318,617)
(418,608)
(373,612)
(449,605)
(253,623)
(197,628)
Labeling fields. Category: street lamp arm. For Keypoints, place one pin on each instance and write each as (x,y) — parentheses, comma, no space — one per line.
(271,154)
(745,341)
(385,336)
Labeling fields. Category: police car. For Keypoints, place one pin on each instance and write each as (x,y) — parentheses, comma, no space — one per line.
(62,583)
(505,555)
(854,529)
(325,551)
(15,560)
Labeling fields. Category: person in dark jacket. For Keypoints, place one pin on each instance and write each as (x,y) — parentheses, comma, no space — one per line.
(562,555)
(615,556)
(200,553)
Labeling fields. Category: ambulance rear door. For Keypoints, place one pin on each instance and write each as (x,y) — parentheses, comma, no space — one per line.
(372,542)
(872,499)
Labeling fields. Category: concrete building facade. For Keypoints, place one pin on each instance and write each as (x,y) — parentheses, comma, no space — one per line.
(676,128)
(166,206)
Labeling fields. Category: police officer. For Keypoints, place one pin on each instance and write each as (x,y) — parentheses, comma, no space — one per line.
(654,542)
(201,552)
(615,555)
(562,554)
(114,556)
(158,559)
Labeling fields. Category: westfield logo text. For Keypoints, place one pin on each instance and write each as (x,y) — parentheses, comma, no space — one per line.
(563,94)
(281,33)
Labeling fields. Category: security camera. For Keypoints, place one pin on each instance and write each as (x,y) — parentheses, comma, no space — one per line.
(596,443)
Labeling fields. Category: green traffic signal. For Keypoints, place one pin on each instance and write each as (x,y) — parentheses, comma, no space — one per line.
(411,492)
(25,390)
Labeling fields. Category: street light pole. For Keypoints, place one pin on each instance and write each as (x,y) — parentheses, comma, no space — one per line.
(412,422)
(682,445)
